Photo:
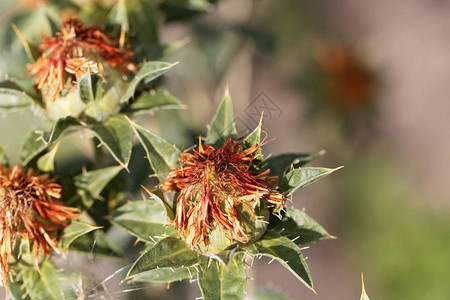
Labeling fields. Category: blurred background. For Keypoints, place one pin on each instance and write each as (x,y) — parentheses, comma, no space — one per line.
(365,80)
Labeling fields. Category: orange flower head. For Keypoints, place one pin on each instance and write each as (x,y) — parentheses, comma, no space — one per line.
(348,76)
(75,51)
(218,190)
(30,208)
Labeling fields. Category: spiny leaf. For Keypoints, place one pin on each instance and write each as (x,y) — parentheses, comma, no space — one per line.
(117,136)
(162,199)
(17,291)
(161,155)
(300,228)
(149,102)
(285,252)
(90,88)
(43,136)
(166,275)
(222,125)
(90,184)
(13,98)
(167,253)
(144,219)
(148,72)
(281,164)
(43,284)
(73,232)
(96,242)
(301,177)
(254,138)
(220,282)
(46,163)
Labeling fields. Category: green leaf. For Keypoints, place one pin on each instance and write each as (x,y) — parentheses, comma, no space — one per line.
(95,242)
(284,251)
(73,232)
(46,134)
(14,98)
(161,155)
(166,275)
(143,219)
(90,88)
(281,164)
(46,163)
(160,197)
(148,72)
(154,100)
(254,138)
(90,184)
(301,177)
(3,158)
(222,125)
(223,282)
(43,284)
(117,136)
(167,253)
(301,228)
(17,291)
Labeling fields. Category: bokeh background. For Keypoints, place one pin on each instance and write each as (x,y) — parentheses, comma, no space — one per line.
(366,80)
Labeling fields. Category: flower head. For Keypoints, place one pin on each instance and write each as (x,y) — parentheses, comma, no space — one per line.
(348,77)
(30,208)
(218,189)
(74,51)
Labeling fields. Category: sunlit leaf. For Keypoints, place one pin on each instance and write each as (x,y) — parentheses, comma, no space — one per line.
(154,100)
(95,242)
(148,72)
(46,163)
(222,125)
(17,291)
(116,134)
(166,275)
(167,253)
(301,228)
(301,177)
(281,164)
(13,98)
(222,282)
(43,284)
(90,88)
(43,136)
(144,219)
(90,184)
(73,232)
(286,252)
(161,155)
(163,200)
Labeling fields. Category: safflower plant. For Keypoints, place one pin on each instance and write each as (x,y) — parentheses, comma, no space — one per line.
(217,206)
(213,208)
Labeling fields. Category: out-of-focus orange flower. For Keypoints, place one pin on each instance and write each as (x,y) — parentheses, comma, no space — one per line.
(348,78)
(30,207)
(215,185)
(74,51)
